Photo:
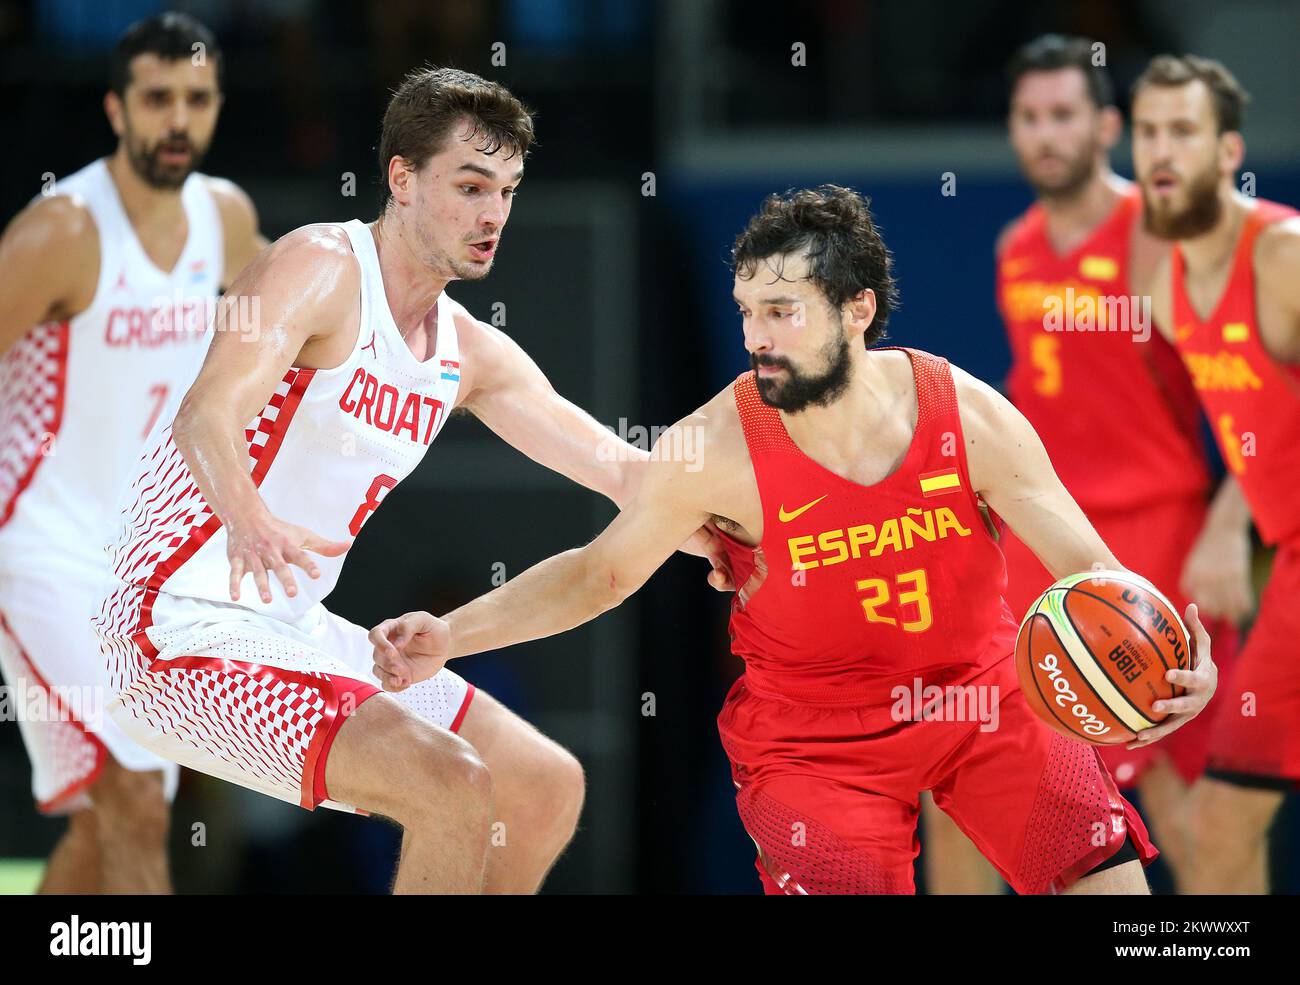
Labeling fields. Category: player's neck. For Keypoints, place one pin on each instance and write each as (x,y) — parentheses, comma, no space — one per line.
(843,430)
(1213,249)
(1070,220)
(411,287)
(150,209)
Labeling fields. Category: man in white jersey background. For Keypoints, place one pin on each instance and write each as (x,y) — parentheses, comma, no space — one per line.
(288,441)
(107,286)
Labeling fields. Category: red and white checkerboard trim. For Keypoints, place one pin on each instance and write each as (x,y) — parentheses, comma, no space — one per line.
(169,519)
(74,754)
(33,381)
(271,725)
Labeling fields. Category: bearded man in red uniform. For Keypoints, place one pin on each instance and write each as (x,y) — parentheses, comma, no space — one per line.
(851,484)
(1070,273)
(1228,295)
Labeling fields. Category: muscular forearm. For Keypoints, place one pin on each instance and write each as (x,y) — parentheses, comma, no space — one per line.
(217,456)
(552,597)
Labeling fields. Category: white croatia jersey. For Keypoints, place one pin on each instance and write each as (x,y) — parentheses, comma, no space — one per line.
(78,397)
(323,453)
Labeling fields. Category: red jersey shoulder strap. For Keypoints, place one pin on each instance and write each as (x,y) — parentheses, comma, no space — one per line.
(764,431)
(936,404)
(1264,214)
(936,394)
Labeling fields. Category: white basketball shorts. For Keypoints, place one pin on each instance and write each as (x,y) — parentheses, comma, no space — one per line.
(243,697)
(57,687)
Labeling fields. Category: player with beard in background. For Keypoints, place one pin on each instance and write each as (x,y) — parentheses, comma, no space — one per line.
(851,482)
(1069,276)
(1228,296)
(107,286)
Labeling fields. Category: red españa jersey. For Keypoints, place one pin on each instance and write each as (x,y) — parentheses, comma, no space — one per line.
(1118,417)
(856,589)
(1253,400)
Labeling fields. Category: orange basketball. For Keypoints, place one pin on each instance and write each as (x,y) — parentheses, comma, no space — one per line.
(1092,655)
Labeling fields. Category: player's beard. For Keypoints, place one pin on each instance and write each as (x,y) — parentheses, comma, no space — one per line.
(1078,172)
(1200,215)
(799,391)
(146,161)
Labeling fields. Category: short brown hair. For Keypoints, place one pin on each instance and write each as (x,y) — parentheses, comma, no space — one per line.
(833,228)
(430,102)
(1227,94)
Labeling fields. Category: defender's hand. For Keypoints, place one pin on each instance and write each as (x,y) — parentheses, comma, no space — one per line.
(410,649)
(263,543)
(1200,682)
(706,543)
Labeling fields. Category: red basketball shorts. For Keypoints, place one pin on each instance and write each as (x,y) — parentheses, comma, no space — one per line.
(830,793)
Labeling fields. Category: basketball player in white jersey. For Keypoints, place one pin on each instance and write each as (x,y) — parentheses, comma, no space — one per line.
(288,441)
(106,288)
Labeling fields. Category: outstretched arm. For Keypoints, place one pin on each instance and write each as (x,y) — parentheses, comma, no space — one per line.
(561,592)
(1010,469)
(512,396)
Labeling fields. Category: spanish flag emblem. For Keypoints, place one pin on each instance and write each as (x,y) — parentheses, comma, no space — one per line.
(1236,331)
(1098,268)
(940,482)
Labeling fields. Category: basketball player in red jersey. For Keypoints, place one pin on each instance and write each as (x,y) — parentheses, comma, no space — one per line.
(1079,332)
(87,274)
(853,482)
(1228,295)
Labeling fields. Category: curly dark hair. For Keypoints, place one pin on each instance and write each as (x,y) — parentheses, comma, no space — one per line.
(832,227)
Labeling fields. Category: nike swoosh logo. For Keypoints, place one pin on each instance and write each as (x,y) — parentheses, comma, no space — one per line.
(787,517)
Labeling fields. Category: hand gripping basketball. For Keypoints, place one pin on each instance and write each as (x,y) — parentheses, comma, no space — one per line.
(1200,683)
(410,649)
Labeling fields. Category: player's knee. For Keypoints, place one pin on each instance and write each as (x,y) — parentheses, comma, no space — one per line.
(130,807)
(564,788)
(1217,824)
(449,776)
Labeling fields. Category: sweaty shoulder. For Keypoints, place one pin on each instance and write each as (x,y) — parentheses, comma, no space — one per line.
(991,426)
(317,258)
(54,243)
(238,224)
(234,205)
(1277,253)
(309,282)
